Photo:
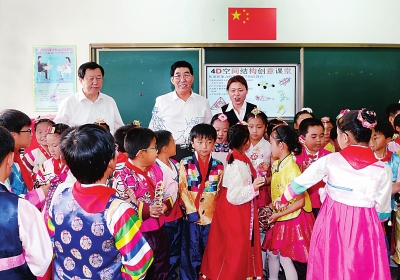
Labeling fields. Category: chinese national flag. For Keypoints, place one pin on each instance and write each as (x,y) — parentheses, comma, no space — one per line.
(251,23)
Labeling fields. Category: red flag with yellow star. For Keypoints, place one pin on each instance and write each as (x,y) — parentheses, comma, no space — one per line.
(251,23)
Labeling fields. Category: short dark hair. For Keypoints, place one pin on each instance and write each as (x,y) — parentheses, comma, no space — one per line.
(203,130)
(89,65)
(7,144)
(396,121)
(180,64)
(42,120)
(59,128)
(261,115)
(384,128)
(119,136)
(14,120)
(306,123)
(287,135)
(392,109)
(349,122)
(299,113)
(333,133)
(87,150)
(237,79)
(163,139)
(136,139)
(238,135)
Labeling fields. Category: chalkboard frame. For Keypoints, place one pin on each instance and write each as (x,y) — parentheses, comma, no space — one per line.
(298,96)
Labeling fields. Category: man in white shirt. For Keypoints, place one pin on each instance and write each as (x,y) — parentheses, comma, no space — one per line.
(89,105)
(181,109)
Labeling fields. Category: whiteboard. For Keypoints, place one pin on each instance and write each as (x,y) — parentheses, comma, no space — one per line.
(274,88)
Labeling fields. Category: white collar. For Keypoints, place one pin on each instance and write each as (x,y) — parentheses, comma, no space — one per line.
(230,107)
(82,96)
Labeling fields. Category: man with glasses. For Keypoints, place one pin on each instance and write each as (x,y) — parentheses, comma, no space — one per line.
(89,105)
(181,109)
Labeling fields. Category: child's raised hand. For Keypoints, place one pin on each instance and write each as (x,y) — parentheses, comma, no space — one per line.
(129,196)
(258,183)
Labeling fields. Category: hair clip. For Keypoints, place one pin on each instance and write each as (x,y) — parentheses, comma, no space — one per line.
(309,110)
(242,123)
(342,113)
(365,123)
(50,130)
(99,121)
(222,117)
(325,119)
(136,122)
(256,111)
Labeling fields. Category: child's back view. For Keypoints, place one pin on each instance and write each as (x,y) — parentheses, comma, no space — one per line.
(96,235)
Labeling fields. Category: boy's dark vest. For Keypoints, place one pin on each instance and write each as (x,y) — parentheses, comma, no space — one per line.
(232,118)
(10,243)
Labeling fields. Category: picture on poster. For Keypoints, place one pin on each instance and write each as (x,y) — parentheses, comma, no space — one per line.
(54,75)
(274,88)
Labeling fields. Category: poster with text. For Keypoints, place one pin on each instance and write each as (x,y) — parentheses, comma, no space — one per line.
(273,88)
(54,75)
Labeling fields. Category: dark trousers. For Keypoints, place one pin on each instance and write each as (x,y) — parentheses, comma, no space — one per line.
(194,240)
(157,241)
(174,234)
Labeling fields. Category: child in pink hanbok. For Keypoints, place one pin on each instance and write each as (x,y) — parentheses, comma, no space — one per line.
(348,241)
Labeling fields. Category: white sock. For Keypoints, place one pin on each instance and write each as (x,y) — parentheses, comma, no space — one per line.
(290,270)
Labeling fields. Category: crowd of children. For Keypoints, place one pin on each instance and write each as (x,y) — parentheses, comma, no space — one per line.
(318,201)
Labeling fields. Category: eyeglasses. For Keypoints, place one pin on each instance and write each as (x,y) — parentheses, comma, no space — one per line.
(155,148)
(28,130)
(184,76)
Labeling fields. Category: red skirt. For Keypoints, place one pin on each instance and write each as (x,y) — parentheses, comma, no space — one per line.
(291,238)
(233,250)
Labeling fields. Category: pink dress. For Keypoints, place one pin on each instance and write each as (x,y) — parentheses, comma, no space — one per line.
(348,241)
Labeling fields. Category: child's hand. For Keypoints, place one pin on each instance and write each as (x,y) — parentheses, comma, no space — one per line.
(129,196)
(258,183)
(263,166)
(164,208)
(156,210)
(273,218)
(278,204)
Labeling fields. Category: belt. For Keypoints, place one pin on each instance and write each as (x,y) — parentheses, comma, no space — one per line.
(11,262)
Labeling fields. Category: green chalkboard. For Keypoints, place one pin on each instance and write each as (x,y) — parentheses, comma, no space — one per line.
(354,78)
(135,77)
(251,55)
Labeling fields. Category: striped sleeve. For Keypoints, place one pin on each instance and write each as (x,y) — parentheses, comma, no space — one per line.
(124,224)
(29,160)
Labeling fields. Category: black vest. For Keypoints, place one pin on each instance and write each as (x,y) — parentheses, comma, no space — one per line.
(10,244)
(232,118)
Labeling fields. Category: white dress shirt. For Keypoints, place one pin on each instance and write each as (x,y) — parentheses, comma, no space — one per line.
(177,116)
(240,115)
(77,109)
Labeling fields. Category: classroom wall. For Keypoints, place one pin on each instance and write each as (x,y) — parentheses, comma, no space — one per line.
(26,23)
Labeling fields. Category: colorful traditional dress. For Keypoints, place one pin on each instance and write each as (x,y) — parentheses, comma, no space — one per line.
(35,158)
(291,234)
(348,241)
(148,188)
(233,249)
(96,235)
(199,183)
(25,247)
(304,160)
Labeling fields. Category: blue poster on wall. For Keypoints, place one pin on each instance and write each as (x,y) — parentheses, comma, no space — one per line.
(54,75)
